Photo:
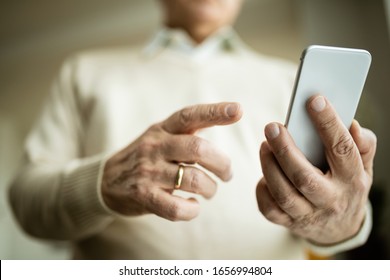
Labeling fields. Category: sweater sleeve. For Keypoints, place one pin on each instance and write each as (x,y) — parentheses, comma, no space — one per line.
(56,192)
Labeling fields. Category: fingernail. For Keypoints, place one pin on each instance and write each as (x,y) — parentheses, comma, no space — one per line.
(272,131)
(232,110)
(318,104)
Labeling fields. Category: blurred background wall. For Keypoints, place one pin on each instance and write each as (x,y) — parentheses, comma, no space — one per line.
(36,36)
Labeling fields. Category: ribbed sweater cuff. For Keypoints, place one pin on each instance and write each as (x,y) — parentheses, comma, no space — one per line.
(81,195)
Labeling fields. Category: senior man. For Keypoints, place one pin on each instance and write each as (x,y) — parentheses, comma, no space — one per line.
(110,168)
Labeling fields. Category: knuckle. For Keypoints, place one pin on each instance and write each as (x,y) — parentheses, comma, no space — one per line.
(151,200)
(335,207)
(155,127)
(194,147)
(270,210)
(361,185)
(212,113)
(283,151)
(138,193)
(186,116)
(147,146)
(328,124)
(286,202)
(273,215)
(121,179)
(305,221)
(344,146)
(143,170)
(360,189)
(306,182)
(333,210)
(269,213)
(194,182)
(174,212)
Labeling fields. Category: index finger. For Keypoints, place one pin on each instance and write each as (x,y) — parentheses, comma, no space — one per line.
(341,151)
(193,118)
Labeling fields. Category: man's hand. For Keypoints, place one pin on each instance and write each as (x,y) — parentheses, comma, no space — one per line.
(141,178)
(325,208)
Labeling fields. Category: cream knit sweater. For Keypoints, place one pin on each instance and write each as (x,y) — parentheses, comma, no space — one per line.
(103,100)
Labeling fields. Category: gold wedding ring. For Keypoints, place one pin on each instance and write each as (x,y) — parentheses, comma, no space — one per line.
(179,176)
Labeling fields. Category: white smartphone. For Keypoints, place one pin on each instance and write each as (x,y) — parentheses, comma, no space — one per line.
(338,74)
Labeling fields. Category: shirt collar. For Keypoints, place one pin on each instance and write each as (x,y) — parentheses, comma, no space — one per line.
(177,40)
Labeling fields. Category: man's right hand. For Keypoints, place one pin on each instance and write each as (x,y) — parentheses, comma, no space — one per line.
(140,178)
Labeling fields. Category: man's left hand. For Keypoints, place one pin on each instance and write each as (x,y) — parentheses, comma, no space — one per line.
(325,208)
